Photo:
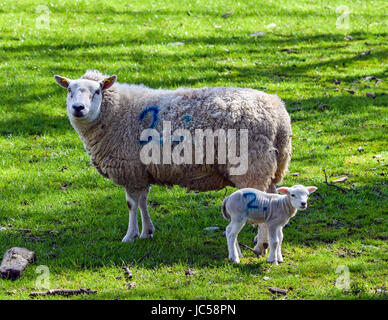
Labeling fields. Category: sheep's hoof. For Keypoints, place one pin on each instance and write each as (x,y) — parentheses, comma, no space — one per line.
(130,238)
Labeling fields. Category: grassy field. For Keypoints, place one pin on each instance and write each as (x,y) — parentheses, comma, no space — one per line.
(53,202)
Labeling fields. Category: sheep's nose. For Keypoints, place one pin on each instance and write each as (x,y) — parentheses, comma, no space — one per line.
(303,204)
(78,107)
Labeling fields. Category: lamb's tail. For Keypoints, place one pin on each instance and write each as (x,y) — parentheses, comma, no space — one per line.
(224,212)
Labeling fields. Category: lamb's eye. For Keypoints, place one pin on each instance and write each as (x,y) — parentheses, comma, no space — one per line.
(292,195)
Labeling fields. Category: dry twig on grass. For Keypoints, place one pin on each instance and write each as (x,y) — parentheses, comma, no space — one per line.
(333,185)
(63,292)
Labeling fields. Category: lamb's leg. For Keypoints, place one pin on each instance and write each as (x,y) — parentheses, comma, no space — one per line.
(273,243)
(133,228)
(232,231)
(261,239)
(240,255)
(280,237)
(147,226)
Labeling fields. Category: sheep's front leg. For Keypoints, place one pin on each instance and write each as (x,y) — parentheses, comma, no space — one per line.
(261,240)
(232,231)
(273,244)
(280,237)
(147,226)
(133,228)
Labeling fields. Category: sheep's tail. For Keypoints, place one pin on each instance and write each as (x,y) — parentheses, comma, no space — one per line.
(224,212)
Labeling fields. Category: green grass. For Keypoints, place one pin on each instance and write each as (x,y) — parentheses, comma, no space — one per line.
(76,230)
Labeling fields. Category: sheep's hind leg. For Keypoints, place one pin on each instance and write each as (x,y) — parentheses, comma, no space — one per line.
(280,237)
(261,239)
(232,231)
(133,228)
(147,226)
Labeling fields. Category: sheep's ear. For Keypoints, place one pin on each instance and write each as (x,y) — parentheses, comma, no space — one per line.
(283,190)
(108,82)
(62,81)
(311,189)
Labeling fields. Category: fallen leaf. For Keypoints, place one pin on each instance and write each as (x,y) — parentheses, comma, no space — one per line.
(257,34)
(128,272)
(189,272)
(341,180)
(364,54)
(289,50)
(348,37)
(350,91)
(336,81)
(211,229)
(178,43)
(278,290)
(371,95)
(360,149)
(131,285)
(227,14)
(295,174)
(323,106)
(271,25)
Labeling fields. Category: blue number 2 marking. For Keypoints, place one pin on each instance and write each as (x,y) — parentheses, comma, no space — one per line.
(154,110)
(143,114)
(250,204)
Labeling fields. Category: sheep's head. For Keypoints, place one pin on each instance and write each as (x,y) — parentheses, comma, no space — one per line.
(298,195)
(84,96)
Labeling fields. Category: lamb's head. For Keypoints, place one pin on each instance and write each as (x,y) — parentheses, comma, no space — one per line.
(298,195)
(84,96)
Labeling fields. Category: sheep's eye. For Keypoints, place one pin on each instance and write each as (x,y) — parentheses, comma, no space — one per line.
(292,195)
(68,89)
(98,91)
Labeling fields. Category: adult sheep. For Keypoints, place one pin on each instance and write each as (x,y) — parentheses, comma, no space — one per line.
(110,118)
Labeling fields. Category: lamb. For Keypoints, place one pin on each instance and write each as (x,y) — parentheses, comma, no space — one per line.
(111,117)
(256,207)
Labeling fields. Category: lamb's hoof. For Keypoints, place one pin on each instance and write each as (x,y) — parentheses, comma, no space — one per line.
(274,262)
(130,237)
(257,253)
(147,235)
(235,261)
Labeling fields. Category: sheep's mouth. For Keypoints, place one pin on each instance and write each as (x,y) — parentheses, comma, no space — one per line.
(78,114)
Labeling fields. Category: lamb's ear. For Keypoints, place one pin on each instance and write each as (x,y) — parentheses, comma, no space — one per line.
(283,190)
(62,81)
(108,82)
(311,189)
